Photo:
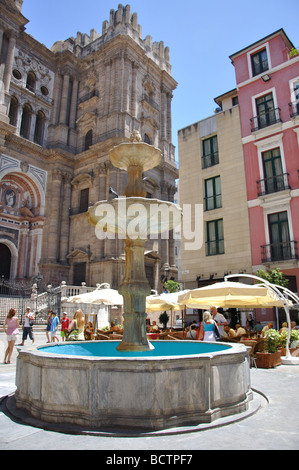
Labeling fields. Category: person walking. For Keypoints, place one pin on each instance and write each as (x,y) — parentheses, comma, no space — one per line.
(65,321)
(28,326)
(11,328)
(219,319)
(48,328)
(54,327)
(207,328)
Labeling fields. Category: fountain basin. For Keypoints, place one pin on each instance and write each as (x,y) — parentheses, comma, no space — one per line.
(153,390)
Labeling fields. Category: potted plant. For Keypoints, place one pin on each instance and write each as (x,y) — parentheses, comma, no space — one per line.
(293,344)
(163,318)
(271,356)
(294,52)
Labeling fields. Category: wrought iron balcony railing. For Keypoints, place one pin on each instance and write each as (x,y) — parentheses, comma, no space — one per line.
(279,251)
(273,184)
(265,119)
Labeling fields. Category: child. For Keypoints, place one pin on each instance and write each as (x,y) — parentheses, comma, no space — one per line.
(54,327)
(65,321)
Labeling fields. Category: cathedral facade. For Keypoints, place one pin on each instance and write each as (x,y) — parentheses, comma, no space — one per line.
(61,111)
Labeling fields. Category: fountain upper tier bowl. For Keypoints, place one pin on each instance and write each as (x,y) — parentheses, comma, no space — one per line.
(133,216)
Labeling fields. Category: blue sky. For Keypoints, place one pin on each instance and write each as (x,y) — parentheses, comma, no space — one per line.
(200,34)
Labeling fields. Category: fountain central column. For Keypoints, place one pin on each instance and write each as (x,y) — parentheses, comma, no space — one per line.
(135,157)
(134,288)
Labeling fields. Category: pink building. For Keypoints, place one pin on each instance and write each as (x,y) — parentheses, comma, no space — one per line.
(267,77)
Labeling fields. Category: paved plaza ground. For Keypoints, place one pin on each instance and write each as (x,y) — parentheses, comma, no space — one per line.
(275,426)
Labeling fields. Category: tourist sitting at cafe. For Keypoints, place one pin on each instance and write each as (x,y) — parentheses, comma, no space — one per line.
(154,327)
(240,330)
(229,332)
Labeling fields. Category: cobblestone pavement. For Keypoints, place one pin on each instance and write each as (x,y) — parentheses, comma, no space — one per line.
(273,427)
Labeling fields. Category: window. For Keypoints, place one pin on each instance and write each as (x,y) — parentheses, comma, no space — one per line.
(215,238)
(17,74)
(88,140)
(294,105)
(39,128)
(235,100)
(259,62)
(267,114)
(13,111)
(273,172)
(147,140)
(26,121)
(84,196)
(31,79)
(213,198)
(210,152)
(280,245)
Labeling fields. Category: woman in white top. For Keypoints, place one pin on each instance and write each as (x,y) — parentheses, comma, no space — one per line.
(207,327)
(10,327)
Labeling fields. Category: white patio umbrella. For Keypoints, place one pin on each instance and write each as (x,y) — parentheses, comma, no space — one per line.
(100,295)
(231,294)
(164,302)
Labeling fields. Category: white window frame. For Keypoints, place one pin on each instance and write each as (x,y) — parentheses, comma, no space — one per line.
(271,210)
(264,145)
(252,52)
(254,98)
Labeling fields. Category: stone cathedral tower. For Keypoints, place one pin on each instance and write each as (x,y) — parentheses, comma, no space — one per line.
(61,111)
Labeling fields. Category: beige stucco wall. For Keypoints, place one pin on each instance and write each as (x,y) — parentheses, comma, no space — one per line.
(234,212)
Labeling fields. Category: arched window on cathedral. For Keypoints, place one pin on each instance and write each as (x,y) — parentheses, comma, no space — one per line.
(147,140)
(88,140)
(13,111)
(26,121)
(39,128)
(31,80)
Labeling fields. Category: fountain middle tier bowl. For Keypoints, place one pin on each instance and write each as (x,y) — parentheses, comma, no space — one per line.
(134,217)
(93,386)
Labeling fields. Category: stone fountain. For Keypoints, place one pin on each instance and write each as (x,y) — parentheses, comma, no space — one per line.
(135,157)
(109,386)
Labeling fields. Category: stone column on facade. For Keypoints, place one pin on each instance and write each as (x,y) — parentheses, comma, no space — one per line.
(169,122)
(19,118)
(56,104)
(64,99)
(2,66)
(64,222)
(32,266)
(134,91)
(32,126)
(9,63)
(52,235)
(73,107)
(127,85)
(163,114)
(22,250)
(107,87)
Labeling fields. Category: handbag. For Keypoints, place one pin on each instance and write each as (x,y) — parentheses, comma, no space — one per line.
(217,333)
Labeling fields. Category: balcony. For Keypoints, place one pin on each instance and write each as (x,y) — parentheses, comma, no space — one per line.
(279,251)
(273,184)
(265,119)
(294,109)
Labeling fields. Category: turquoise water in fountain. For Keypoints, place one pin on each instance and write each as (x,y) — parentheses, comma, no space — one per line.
(108,349)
